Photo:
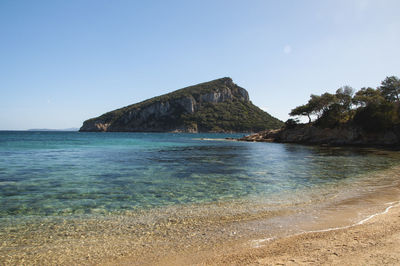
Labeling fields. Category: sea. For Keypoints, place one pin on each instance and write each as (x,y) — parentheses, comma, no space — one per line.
(80,197)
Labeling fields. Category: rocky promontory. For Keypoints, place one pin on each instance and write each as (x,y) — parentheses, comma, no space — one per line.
(216,106)
(340,136)
(367,117)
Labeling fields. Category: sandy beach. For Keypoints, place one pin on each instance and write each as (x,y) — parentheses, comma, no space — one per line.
(371,239)
(374,242)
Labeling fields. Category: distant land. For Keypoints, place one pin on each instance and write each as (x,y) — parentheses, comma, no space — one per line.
(215,106)
(48,129)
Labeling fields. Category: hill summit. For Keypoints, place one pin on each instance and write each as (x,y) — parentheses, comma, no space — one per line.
(215,106)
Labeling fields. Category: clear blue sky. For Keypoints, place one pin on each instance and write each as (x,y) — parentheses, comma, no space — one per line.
(62,62)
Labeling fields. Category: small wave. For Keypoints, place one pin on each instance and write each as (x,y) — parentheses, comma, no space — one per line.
(394,204)
(258,242)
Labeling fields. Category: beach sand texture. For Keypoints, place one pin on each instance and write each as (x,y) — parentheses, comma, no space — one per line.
(374,242)
(373,239)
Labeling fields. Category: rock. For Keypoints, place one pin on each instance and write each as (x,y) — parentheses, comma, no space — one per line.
(309,134)
(216,106)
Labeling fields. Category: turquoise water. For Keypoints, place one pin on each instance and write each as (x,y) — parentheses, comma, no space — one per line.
(67,173)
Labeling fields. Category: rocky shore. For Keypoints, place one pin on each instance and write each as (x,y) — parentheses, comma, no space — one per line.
(309,134)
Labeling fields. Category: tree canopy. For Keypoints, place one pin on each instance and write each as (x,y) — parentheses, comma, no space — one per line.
(372,109)
(390,88)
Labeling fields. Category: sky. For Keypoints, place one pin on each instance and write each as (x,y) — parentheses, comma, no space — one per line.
(62,62)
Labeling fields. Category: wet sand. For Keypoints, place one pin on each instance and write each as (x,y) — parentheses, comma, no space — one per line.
(375,242)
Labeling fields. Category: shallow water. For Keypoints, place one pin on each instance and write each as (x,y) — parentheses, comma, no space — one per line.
(64,173)
(143,189)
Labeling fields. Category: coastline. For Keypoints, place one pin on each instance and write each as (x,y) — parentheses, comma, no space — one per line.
(308,134)
(374,242)
(372,239)
(208,239)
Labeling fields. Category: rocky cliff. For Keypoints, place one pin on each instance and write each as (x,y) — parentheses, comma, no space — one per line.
(347,135)
(216,106)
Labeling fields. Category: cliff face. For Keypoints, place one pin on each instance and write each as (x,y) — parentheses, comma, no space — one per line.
(307,134)
(218,105)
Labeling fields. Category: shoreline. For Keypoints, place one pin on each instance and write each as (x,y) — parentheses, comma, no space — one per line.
(208,234)
(378,232)
(372,241)
(346,136)
(257,242)
(284,249)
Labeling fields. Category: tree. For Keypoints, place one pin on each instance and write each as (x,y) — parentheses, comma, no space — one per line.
(291,123)
(368,96)
(372,109)
(390,88)
(377,116)
(377,111)
(302,110)
(344,97)
(322,103)
(316,105)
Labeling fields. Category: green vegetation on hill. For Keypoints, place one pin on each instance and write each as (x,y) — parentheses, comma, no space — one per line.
(194,91)
(219,106)
(235,116)
(371,109)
